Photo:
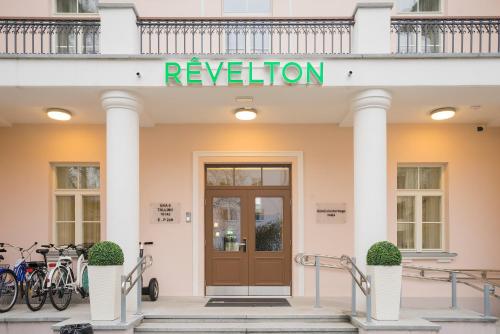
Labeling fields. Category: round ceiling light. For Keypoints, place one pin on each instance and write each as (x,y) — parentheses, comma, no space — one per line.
(246,114)
(442,114)
(59,114)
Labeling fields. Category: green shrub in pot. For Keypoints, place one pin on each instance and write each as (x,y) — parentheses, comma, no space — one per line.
(383,253)
(105,270)
(384,268)
(105,253)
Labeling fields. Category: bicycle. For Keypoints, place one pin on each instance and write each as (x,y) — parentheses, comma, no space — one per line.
(13,281)
(36,287)
(62,280)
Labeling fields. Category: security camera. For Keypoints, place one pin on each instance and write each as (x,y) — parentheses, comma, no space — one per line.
(138,74)
(349,73)
(480,128)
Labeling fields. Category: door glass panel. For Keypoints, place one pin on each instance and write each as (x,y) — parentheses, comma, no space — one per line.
(431,209)
(269,224)
(226,223)
(220,177)
(275,176)
(250,176)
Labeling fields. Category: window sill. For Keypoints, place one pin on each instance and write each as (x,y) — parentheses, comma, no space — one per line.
(439,257)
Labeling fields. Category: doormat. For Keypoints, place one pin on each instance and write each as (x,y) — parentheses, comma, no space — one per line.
(248,302)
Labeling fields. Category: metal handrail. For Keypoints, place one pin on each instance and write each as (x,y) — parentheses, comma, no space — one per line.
(344,262)
(453,276)
(142,264)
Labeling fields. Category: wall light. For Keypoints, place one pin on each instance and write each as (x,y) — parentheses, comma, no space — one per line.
(245,114)
(59,114)
(442,114)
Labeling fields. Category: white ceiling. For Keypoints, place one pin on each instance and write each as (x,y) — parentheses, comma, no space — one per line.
(283,104)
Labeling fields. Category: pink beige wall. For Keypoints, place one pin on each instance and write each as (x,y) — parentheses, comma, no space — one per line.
(213,8)
(26,152)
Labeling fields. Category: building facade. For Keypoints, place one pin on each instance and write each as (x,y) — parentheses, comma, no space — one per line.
(343,151)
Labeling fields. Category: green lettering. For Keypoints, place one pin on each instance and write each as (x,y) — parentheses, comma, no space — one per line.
(285,75)
(271,65)
(317,75)
(174,75)
(250,75)
(231,71)
(193,71)
(211,73)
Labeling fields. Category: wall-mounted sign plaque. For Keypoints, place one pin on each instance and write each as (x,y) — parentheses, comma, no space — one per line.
(330,213)
(165,213)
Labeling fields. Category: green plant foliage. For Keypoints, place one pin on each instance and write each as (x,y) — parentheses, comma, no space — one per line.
(105,253)
(383,253)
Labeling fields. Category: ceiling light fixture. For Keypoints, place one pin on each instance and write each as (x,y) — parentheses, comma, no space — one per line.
(442,114)
(59,114)
(245,114)
(244,99)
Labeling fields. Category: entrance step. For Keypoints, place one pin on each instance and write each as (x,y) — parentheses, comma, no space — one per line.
(246,324)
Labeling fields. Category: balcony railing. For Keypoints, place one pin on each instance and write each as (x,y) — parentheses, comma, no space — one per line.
(446,35)
(245,36)
(49,36)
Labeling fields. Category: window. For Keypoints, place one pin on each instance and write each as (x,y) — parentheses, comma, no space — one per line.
(77,204)
(420,208)
(247,6)
(425,40)
(256,176)
(244,40)
(419,6)
(76,6)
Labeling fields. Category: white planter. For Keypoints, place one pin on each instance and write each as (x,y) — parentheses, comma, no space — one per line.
(104,284)
(386,291)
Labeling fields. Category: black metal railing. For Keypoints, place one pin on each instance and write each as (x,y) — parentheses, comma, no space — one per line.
(49,36)
(245,36)
(445,35)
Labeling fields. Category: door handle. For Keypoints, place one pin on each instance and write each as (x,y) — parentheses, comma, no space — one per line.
(243,245)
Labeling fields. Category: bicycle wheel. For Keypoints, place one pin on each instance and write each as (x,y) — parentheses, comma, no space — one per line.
(36,294)
(59,292)
(8,290)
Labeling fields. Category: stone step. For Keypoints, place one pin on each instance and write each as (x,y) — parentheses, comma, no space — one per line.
(246,327)
(245,318)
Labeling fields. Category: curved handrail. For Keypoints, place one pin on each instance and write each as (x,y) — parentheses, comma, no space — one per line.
(144,263)
(344,263)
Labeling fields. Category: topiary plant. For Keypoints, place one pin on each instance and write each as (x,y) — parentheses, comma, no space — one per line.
(105,253)
(383,253)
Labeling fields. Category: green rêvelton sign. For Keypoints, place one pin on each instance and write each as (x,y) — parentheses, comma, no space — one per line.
(290,72)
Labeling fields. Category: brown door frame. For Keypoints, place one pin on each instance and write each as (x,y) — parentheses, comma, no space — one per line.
(247,194)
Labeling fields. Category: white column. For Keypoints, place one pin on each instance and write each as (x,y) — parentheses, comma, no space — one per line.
(370,170)
(122,174)
(119,31)
(372,28)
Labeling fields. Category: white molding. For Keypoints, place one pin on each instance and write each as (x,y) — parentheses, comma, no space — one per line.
(197,221)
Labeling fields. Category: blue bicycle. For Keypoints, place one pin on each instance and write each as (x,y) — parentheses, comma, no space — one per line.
(13,281)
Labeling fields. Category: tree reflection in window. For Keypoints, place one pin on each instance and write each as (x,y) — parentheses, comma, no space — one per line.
(268,224)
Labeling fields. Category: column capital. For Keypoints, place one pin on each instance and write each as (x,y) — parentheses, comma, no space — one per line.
(372,98)
(120,99)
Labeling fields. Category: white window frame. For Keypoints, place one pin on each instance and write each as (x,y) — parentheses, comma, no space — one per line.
(78,194)
(56,13)
(418,194)
(248,14)
(418,12)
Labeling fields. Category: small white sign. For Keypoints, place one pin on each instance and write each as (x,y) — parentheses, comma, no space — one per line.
(165,213)
(330,213)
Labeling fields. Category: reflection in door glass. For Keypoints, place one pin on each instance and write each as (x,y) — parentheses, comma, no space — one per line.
(227,223)
(268,224)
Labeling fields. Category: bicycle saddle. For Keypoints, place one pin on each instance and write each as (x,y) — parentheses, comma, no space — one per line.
(42,251)
(1,257)
(3,250)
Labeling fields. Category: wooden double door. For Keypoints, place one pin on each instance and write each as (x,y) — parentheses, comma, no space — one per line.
(248,242)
